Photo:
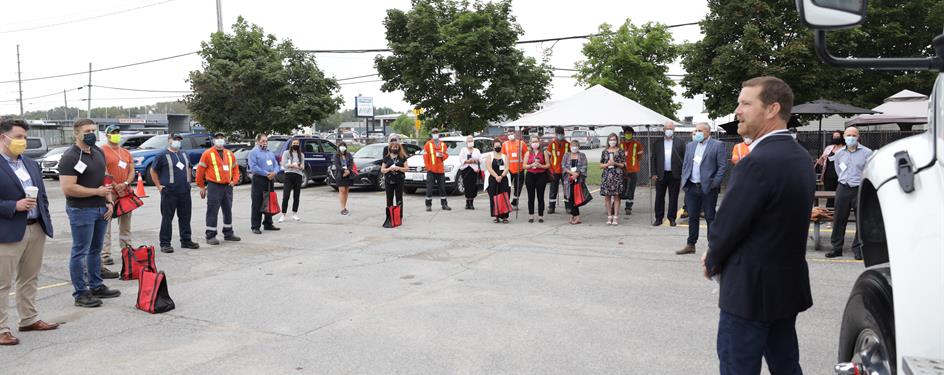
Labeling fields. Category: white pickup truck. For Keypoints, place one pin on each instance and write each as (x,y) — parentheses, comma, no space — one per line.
(894,319)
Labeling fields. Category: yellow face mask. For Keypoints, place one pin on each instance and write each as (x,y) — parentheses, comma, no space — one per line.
(16,146)
(628,136)
(114,138)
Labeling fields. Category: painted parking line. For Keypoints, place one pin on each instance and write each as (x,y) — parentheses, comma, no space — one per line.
(822,230)
(56,285)
(821,260)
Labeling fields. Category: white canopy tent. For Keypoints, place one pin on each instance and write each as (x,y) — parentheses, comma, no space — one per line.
(597,107)
(905,107)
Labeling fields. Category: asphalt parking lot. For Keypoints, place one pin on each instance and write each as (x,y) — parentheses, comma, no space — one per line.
(448,292)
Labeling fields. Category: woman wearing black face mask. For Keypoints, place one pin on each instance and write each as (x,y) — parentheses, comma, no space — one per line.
(345,170)
(496,164)
(828,175)
(394,167)
(293,163)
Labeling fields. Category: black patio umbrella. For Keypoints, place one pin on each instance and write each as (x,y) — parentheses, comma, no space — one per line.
(823,107)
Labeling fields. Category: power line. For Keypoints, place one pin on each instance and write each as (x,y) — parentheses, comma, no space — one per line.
(363,76)
(142,90)
(379,50)
(43,96)
(84,18)
(104,69)
(354,83)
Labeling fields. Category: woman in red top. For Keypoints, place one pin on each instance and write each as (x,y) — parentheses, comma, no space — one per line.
(535,179)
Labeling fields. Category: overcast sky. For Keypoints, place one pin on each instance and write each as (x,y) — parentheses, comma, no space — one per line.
(161,28)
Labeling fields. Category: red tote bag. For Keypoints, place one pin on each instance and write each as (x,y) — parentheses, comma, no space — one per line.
(502,204)
(153,296)
(136,261)
(271,205)
(582,194)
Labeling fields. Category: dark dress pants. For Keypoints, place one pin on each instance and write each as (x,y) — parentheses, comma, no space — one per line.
(742,343)
(260,196)
(670,184)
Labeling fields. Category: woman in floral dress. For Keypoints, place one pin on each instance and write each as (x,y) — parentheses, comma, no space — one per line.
(612,162)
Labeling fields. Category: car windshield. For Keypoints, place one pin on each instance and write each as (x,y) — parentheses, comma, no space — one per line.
(34,143)
(578,134)
(274,144)
(374,151)
(56,151)
(157,142)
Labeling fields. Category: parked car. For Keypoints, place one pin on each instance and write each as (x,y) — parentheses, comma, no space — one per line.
(36,147)
(317,151)
(50,162)
(193,144)
(368,160)
(416,176)
(587,138)
(130,142)
(242,159)
(894,318)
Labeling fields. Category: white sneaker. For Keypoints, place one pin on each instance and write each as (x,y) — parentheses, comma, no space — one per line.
(282,218)
(296,218)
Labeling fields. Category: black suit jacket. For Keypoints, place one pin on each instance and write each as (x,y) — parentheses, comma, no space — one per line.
(758,238)
(11,190)
(657,157)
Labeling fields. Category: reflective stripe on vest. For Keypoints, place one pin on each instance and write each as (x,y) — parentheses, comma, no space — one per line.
(634,153)
(554,152)
(432,153)
(216,167)
(170,169)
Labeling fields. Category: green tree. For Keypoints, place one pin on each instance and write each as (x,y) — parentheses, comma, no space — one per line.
(632,61)
(458,61)
(251,83)
(404,125)
(749,38)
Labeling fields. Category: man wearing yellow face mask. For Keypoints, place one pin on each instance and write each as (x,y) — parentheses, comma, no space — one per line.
(24,217)
(120,166)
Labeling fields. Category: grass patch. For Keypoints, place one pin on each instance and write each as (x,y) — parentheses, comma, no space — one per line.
(594,174)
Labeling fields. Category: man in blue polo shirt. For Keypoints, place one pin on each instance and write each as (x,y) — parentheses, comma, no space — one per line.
(850,163)
(171,174)
(264,167)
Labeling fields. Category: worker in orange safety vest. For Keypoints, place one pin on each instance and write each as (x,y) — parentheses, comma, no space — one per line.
(434,154)
(741,150)
(514,148)
(634,151)
(217,173)
(557,147)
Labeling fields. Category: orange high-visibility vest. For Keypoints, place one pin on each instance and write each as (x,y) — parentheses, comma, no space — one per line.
(514,150)
(557,149)
(740,151)
(435,163)
(212,168)
(633,150)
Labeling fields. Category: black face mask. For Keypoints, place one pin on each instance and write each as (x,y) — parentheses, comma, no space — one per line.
(838,141)
(394,150)
(295,147)
(497,148)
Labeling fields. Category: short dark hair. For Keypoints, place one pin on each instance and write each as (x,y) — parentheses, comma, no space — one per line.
(629,129)
(7,124)
(83,122)
(773,90)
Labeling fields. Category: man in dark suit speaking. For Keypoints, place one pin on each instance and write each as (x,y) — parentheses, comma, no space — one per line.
(757,244)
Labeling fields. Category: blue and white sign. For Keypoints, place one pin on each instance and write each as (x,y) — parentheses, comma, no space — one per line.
(364,106)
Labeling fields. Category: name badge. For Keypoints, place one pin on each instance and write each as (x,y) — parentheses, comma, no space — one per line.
(514,154)
(225,168)
(438,154)
(573,169)
(22,174)
(697,159)
(501,167)
(842,167)
(80,167)
(122,164)
(269,162)
(180,165)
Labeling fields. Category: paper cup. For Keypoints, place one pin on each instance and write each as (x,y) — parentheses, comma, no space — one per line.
(32,191)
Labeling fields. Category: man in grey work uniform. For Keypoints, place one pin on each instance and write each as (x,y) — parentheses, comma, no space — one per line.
(850,162)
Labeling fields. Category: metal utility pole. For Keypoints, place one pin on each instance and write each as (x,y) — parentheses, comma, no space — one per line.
(65,110)
(219,16)
(19,79)
(89,107)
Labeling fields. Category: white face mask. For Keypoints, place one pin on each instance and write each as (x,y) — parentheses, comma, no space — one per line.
(669,132)
(612,143)
(535,145)
(470,144)
(560,137)
(219,142)
(342,148)
(175,144)
(511,137)
(435,135)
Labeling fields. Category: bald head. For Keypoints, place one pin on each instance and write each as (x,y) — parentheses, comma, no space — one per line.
(669,125)
(851,131)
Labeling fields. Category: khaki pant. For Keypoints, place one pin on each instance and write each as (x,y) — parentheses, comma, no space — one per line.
(124,234)
(25,259)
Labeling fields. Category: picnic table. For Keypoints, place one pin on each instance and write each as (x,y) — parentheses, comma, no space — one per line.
(820,196)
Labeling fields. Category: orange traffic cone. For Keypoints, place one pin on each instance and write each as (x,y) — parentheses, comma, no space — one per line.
(139,191)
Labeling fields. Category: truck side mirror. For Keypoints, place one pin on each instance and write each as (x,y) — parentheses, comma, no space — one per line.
(832,14)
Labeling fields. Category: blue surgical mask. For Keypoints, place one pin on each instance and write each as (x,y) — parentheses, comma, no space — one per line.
(698,137)
(852,141)
(175,144)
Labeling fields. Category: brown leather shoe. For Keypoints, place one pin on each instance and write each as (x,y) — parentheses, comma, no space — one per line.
(688,249)
(39,326)
(7,339)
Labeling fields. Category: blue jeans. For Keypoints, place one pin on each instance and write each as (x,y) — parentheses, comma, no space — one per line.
(88,232)
(742,343)
(696,201)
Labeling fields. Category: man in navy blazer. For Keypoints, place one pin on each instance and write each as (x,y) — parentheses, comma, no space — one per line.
(24,217)
(702,172)
(758,243)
